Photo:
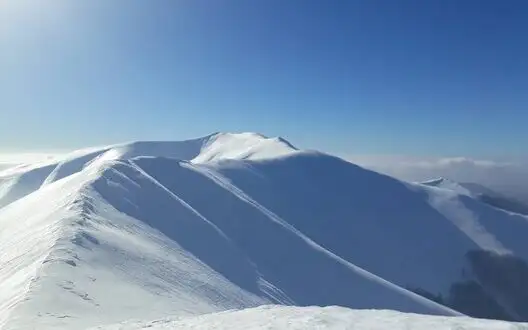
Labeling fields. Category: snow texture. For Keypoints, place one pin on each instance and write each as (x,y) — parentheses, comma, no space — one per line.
(307,318)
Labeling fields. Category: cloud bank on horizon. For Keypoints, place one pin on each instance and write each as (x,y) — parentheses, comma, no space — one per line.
(509,178)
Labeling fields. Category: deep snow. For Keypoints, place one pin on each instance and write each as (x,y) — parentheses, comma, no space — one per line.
(155,229)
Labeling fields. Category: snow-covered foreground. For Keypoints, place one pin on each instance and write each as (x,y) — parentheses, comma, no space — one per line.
(150,230)
(311,318)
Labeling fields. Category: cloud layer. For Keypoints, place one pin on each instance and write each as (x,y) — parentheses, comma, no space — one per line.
(8,160)
(4,166)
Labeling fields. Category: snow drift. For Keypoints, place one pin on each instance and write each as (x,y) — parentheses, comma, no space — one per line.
(230,221)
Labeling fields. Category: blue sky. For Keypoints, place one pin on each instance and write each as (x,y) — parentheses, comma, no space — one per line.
(425,78)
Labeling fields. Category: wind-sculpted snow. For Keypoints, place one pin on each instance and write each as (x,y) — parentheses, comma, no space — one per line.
(155,229)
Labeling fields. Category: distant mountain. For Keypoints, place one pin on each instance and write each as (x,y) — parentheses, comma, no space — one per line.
(452,185)
(230,221)
(482,193)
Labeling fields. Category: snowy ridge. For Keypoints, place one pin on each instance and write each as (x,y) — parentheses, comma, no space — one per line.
(307,318)
(19,181)
(449,185)
(463,188)
(481,193)
(243,146)
(82,262)
(29,236)
(228,221)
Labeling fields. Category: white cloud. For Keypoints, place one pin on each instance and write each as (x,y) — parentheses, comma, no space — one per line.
(4,166)
(8,160)
(23,158)
(510,178)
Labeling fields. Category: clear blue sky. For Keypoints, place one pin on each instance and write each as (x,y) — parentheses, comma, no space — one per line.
(435,77)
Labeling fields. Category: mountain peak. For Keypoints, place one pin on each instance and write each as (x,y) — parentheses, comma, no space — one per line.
(247,145)
(215,146)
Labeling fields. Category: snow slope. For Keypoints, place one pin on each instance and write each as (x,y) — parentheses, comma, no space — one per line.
(155,229)
(308,318)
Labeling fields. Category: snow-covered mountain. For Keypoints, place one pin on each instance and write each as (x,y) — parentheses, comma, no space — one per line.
(148,230)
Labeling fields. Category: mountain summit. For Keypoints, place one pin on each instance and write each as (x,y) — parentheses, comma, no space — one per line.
(230,221)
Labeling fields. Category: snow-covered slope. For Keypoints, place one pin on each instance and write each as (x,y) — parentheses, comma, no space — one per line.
(483,194)
(312,318)
(154,229)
